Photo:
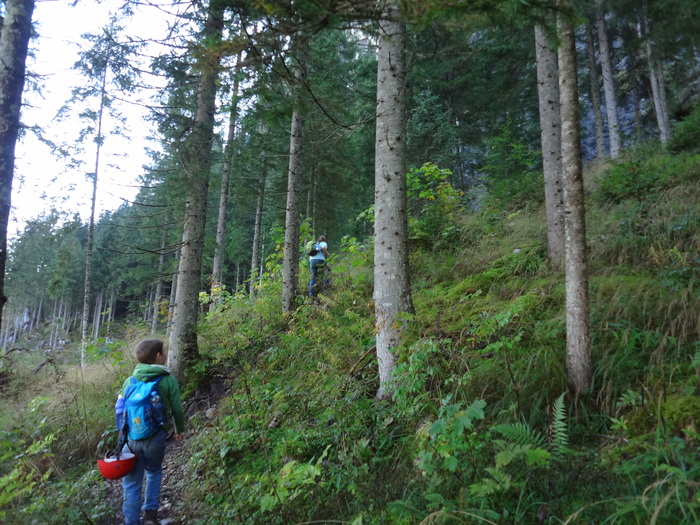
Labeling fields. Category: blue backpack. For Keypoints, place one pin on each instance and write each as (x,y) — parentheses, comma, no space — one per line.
(143,409)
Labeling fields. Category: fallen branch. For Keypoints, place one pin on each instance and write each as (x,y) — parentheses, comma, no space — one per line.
(41,365)
(17,349)
(352,370)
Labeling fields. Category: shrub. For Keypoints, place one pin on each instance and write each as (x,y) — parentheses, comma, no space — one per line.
(686,135)
(513,169)
(434,205)
(644,177)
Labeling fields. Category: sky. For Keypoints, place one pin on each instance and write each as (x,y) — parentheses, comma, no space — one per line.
(42,180)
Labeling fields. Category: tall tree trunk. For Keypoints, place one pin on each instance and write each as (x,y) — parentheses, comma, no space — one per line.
(39,313)
(14,42)
(290,270)
(578,341)
(595,95)
(74,321)
(218,267)
(238,272)
(90,241)
(656,79)
(62,320)
(147,300)
(196,160)
(262,263)
(159,285)
(6,337)
(112,305)
(97,315)
(550,131)
(173,294)
(54,328)
(629,33)
(256,262)
(636,101)
(608,83)
(392,290)
(311,201)
(658,91)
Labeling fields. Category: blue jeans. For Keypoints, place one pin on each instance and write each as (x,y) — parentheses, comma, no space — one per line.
(315,265)
(150,453)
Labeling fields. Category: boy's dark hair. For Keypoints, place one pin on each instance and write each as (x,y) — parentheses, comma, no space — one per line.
(322,238)
(148,349)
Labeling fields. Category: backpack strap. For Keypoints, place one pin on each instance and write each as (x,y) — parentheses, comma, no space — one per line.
(130,389)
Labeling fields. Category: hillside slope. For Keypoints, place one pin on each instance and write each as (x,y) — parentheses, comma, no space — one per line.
(481,429)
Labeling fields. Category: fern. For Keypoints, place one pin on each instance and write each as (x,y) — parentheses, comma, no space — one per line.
(532,455)
(558,428)
(537,457)
(520,433)
(696,359)
(500,482)
(509,453)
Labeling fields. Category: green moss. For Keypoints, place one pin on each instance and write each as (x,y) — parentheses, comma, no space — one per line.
(641,421)
(679,413)
(682,413)
(633,447)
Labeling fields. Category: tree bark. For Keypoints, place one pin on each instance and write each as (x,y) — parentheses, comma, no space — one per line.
(218,269)
(39,314)
(97,315)
(14,42)
(112,306)
(159,284)
(656,79)
(255,262)
(550,131)
(196,161)
(608,83)
(596,106)
(311,201)
(392,291)
(53,334)
(90,241)
(658,91)
(290,270)
(173,294)
(578,344)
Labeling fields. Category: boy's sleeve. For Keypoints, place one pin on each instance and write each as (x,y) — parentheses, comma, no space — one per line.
(176,405)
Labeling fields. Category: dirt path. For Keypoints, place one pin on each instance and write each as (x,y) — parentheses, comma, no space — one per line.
(173,508)
(170,512)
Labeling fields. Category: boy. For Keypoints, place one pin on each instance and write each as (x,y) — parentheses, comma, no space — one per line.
(150,451)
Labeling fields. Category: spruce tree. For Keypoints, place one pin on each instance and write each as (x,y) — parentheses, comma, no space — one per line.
(14,43)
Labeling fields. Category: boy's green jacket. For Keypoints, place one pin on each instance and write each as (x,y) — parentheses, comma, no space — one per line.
(168,388)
